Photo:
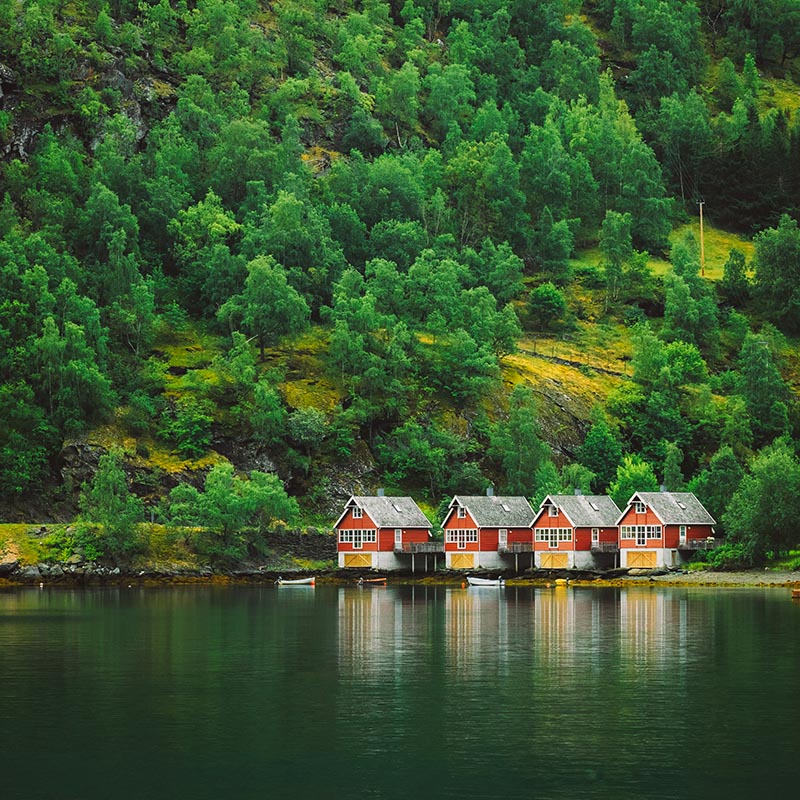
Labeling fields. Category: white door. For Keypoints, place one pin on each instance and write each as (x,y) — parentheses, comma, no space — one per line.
(595,535)
(398,538)
(682,534)
(502,538)
(462,538)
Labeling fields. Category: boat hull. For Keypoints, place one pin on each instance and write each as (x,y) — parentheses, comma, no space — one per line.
(296,582)
(485,581)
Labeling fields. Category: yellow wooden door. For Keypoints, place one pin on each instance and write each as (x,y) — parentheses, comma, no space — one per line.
(555,560)
(462,561)
(358,560)
(641,560)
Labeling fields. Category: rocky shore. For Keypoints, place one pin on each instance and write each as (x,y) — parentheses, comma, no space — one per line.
(92,574)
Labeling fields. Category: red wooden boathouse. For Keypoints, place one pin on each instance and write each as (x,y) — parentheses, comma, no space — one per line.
(384,533)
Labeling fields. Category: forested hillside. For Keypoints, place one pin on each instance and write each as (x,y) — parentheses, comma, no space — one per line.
(430,245)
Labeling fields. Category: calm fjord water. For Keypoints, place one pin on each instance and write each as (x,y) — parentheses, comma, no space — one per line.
(411,691)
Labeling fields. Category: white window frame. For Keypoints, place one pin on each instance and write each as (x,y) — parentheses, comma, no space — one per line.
(682,532)
(595,535)
(462,512)
(553,536)
(358,513)
(639,507)
(552,511)
(461,536)
(502,537)
(357,537)
(398,536)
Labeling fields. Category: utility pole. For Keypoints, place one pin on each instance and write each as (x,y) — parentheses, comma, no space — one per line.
(702,243)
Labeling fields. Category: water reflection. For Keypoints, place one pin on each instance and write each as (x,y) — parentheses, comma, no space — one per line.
(386,692)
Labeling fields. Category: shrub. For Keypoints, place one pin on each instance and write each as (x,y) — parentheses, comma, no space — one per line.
(189,427)
(730,557)
(547,306)
(65,542)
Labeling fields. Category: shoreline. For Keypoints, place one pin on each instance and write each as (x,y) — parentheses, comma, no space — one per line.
(99,577)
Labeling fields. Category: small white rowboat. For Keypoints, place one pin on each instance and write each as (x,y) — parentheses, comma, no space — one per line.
(296,582)
(485,581)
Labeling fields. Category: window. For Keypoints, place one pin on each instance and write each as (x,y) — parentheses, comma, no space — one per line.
(461,536)
(553,535)
(462,512)
(640,532)
(357,512)
(552,511)
(640,507)
(357,537)
(595,534)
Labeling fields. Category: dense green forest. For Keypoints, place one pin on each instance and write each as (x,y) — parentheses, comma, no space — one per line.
(316,241)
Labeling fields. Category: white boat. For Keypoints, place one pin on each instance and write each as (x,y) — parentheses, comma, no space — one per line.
(296,582)
(485,581)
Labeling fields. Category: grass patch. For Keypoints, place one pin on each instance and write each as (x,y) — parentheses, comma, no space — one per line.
(296,359)
(787,563)
(718,245)
(17,542)
(165,458)
(779,93)
(189,347)
(567,393)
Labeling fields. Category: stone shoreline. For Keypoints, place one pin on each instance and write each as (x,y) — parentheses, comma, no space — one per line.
(15,574)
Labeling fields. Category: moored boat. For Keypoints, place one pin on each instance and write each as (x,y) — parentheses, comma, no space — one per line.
(296,581)
(485,581)
(372,581)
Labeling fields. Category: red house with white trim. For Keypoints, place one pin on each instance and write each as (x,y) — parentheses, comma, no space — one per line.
(572,530)
(657,526)
(483,531)
(384,533)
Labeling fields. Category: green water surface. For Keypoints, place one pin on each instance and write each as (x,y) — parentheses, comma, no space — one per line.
(401,692)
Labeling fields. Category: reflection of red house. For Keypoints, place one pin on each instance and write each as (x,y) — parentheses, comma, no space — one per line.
(655,526)
(571,530)
(479,531)
(383,533)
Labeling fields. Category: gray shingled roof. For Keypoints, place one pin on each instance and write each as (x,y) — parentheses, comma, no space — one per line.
(392,512)
(676,508)
(496,512)
(586,510)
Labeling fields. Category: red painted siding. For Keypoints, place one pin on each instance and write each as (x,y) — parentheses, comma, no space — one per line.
(546,521)
(516,535)
(609,534)
(455,523)
(349,522)
(630,517)
(386,537)
(488,539)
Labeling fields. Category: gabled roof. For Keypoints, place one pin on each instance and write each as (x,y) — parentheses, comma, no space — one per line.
(674,508)
(388,512)
(584,510)
(494,512)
